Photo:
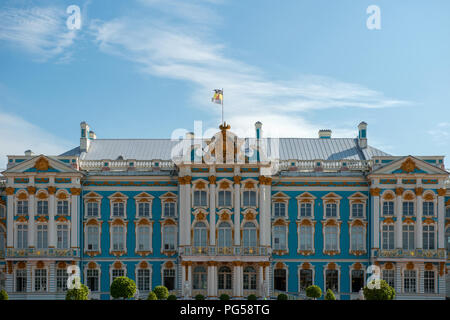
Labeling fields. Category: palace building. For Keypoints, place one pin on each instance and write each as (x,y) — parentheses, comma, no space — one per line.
(225,214)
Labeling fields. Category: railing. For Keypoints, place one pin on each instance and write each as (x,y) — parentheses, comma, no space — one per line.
(417,253)
(125,164)
(41,253)
(225,251)
(325,165)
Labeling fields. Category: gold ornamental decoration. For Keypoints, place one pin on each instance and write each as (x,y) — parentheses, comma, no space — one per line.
(9,191)
(42,164)
(51,190)
(375,192)
(408,165)
(212,179)
(75,191)
(237,179)
(441,192)
(418,191)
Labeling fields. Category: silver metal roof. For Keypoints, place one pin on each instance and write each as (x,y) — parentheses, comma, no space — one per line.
(288,149)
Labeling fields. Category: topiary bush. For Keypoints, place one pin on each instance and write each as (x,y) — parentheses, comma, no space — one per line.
(282,296)
(4,295)
(123,287)
(172,297)
(161,292)
(313,292)
(78,294)
(385,291)
(224,296)
(252,297)
(152,296)
(330,295)
(199,297)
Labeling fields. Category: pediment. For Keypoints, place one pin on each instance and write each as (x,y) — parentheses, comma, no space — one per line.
(41,164)
(409,165)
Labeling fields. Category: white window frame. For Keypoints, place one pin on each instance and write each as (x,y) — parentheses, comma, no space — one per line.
(150,235)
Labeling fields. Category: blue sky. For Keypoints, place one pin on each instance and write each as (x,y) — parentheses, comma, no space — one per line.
(141,69)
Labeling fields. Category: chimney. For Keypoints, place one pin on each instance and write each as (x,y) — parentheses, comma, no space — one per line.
(325,134)
(86,136)
(190,135)
(28,153)
(362,135)
(258,128)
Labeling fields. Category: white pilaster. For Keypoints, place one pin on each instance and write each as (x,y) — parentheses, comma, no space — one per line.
(52,277)
(74,220)
(376,221)
(10,221)
(187,214)
(398,278)
(398,223)
(267,280)
(29,278)
(237,212)
(182,212)
(9,283)
(261,279)
(418,231)
(212,212)
(31,222)
(421,278)
(441,221)
(51,221)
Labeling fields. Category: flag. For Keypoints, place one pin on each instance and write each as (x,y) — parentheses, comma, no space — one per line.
(218,96)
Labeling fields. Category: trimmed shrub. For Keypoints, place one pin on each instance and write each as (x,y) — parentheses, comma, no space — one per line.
(224,296)
(313,292)
(78,294)
(152,296)
(161,292)
(282,296)
(172,297)
(252,297)
(199,297)
(4,295)
(330,295)
(123,287)
(385,292)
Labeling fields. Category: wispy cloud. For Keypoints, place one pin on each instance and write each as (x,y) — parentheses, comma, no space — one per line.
(42,32)
(187,53)
(18,135)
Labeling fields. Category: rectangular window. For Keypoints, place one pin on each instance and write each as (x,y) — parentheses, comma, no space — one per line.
(357,210)
(306,238)
(388,208)
(169,238)
(331,210)
(21,280)
(224,198)
(305,209)
(42,236)
(388,236)
(331,238)
(61,280)
(305,279)
(279,209)
(249,198)
(408,208)
(143,278)
(169,278)
(331,280)
(40,280)
(428,237)
(200,198)
(118,238)
(409,281)
(389,277)
(92,238)
(118,209)
(357,280)
(42,207)
(408,237)
(92,279)
(22,207)
(22,236)
(92,209)
(62,208)
(117,273)
(169,209)
(144,209)
(428,208)
(429,281)
(357,240)
(144,238)
(62,236)
(279,238)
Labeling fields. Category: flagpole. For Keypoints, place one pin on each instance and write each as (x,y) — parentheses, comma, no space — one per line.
(222,108)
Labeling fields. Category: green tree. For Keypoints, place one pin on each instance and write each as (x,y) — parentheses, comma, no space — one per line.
(385,291)
(161,292)
(252,297)
(330,295)
(282,296)
(123,287)
(78,294)
(199,297)
(313,292)
(152,296)
(172,297)
(4,295)
(224,296)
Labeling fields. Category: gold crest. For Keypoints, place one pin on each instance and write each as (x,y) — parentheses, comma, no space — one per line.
(408,165)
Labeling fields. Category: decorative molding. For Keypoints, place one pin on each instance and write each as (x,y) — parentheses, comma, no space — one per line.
(399,191)
(375,192)
(42,164)
(9,191)
(212,179)
(51,189)
(441,192)
(75,191)
(31,190)
(237,179)
(408,165)
(418,191)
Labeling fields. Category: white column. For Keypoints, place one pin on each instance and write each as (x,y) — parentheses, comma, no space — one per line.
(398,278)
(29,278)
(261,279)
(421,276)
(418,231)
(262,213)
(241,281)
(237,280)
(441,219)
(376,221)
(237,210)
(398,222)
(31,222)
(210,279)
(51,220)
(74,218)
(441,279)
(215,285)
(267,281)
(184,281)
(187,214)
(212,210)
(267,203)
(182,213)
(190,279)
(10,219)
(9,283)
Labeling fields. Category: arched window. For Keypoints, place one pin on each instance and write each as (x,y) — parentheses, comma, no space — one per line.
(279,237)
(279,279)
(200,235)
(224,235)
(249,278)
(305,279)
(249,235)
(331,280)
(200,277)
(224,282)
